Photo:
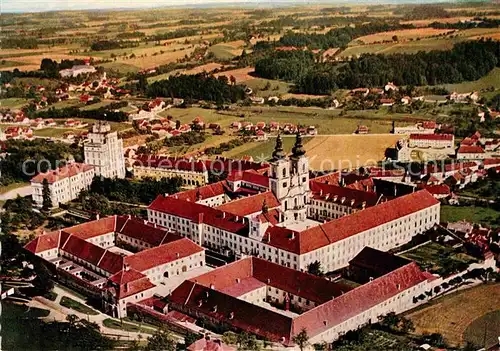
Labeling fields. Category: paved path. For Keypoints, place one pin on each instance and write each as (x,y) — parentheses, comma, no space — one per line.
(12,194)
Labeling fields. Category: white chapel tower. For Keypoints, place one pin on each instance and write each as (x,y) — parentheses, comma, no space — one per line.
(290,179)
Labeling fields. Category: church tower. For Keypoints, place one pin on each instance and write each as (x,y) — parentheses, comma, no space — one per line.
(290,179)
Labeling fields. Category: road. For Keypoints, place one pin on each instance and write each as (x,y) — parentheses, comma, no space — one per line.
(59,313)
(12,194)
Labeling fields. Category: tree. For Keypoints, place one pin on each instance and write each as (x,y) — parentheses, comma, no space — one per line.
(247,342)
(301,339)
(229,338)
(47,200)
(395,38)
(315,268)
(161,340)
(191,338)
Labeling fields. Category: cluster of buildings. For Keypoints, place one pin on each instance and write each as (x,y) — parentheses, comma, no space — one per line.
(103,152)
(276,222)
(76,70)
(286,128)
(291,220)
(477,147)
(194,173)
(118,260)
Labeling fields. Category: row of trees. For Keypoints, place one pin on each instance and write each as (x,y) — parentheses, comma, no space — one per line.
(143,192)
(102,113)
(201,86)
(26,158)
(338,37)
(102,45)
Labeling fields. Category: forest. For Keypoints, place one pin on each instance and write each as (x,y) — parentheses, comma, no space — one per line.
(467,61)
(103,113)
(42,156)
(201,86)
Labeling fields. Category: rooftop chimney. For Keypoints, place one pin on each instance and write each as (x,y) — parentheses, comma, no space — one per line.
(212,286)
(231,315)
(177,255)
(238,280)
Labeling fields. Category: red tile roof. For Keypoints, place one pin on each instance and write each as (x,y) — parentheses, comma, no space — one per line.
(251,204)
(333,193)
(347,226)
(128,282)
(199,214)
(473,149)
(205,192)
(62,173)
(44,242)
(242,315)
(83,249)
(438,189)
(447,137)
(141,230)
(149,258)
(95,228)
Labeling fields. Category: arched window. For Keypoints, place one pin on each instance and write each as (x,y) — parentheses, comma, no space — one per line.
(284,172)
(286,205)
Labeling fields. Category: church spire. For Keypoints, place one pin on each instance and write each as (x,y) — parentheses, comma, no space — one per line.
(278,152)
(298,148)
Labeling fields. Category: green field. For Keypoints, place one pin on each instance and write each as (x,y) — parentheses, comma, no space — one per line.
(6,188)
(77,306)
(258,85)
(13,103)
(55,132)
(492,79)
(484,331)
(222,52)
(483,215)
(121,67)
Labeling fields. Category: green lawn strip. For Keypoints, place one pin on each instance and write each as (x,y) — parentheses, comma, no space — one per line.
(52,296)
(475,214)
(116,324)
(7,188)
(77,306)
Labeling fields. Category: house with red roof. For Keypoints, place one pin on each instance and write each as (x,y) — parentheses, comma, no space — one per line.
(473,152)
(209,344)
(64,184)
(95,257)
(433,141)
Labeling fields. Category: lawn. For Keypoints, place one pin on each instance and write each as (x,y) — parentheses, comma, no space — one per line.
(484,330)
(437,258)
(77,306)
(7,188)
(224,52)
(492,79)
(462,316)
(278,88)
(483,215)
(116,324)
(55,132)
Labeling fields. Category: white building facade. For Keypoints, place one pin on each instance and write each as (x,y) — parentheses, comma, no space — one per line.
(104,151)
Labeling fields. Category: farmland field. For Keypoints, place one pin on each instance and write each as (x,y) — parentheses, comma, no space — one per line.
(405,34)
(461,317)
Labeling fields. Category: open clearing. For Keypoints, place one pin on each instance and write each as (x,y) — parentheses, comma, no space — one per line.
(452,315)
(405,34)
(348,151)
(241,74)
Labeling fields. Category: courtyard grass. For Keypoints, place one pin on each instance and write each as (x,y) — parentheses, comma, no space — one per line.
(116,324)
(77,306)
(12,186)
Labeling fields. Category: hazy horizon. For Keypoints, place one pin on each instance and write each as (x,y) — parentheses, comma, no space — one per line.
(26,6)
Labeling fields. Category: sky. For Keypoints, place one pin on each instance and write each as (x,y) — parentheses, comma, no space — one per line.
(53,5)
